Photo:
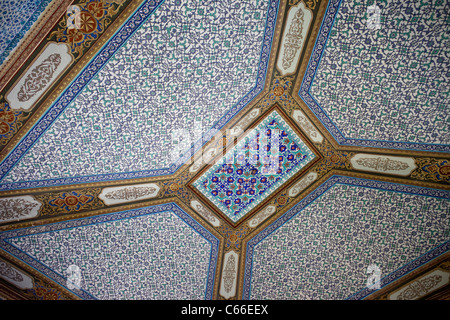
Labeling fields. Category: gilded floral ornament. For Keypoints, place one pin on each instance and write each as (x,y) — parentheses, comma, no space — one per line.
(71,201)
(233,237)
(86,23)
(333,159)
(177,186)
(311,4)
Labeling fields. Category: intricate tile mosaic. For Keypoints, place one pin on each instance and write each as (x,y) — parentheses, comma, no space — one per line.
(16,18)
(386,87)
(160,82)
(174,74)
(322,247)
(263,160)
(152,253)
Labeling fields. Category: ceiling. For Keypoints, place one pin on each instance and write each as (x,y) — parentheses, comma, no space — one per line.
(258,149)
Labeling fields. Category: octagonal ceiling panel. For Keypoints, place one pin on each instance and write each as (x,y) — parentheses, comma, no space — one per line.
(157,252)
(387,86)
(186,64)
(322,247)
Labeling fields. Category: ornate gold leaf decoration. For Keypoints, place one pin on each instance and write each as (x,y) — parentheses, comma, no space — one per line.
(44,291)
(293,39)
(10,122)
(7,271)
(309,3)
(130,193)
(333,159)
(420,287)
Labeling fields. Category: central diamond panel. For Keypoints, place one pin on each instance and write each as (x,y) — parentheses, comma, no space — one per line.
(268,156)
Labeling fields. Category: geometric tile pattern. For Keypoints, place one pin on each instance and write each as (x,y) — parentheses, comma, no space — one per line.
(16,18)
(263,160)
(371,87)
(333,235)
(152,253)
(162,81)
